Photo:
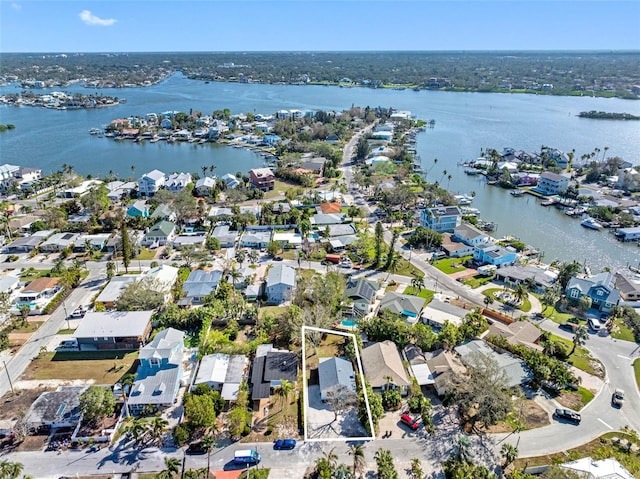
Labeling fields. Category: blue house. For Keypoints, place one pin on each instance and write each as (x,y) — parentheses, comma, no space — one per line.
(443,219)
(494,254)
(600,288)
(139,208)
(200,284)
(159,374)
(271,140)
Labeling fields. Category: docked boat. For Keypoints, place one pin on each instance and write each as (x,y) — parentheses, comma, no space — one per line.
(590,223)
(471,171)
(517,193)
(463,200)
(94,131)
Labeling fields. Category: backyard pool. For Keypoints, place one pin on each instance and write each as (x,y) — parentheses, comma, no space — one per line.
(348,323)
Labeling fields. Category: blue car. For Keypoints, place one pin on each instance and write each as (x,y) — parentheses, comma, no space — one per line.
(284,444)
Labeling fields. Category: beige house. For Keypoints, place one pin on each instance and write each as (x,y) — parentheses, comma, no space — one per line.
(383,367)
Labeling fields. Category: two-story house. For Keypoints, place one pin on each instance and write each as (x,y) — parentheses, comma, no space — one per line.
(441,218)
(150,183)
(262,178)
(552,183)
(178,181)
(158,377)
(599,288)
(281,281)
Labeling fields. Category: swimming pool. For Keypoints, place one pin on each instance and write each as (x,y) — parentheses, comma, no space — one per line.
(348,323)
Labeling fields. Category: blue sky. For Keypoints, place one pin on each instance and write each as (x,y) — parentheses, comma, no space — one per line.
(230,25)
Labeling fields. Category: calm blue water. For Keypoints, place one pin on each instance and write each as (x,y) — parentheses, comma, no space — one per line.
(465,123)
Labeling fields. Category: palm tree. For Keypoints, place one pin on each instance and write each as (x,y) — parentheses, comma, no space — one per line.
(359,462)
(417,283)
(520,292)
(157,427)
(284,391)
(579,338)
(488,300)
(416,469)
(509,453)
(331,458)
(172,467)
(10,470)
(208,442)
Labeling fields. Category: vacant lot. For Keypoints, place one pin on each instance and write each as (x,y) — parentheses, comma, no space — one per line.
(102,367)
(13,403)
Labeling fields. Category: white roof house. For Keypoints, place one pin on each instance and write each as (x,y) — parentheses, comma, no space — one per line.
(224,373)
(602,469)
(164,275)
(337,378)
(111,292)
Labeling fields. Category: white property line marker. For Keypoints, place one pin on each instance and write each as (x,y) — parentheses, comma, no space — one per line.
(604,423)
(306,388)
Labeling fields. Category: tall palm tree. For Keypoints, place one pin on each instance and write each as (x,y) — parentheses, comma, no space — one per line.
(579,338)
(331,458)
(284,390)
(172,468)
(359,462)
(520,292)
(10,470)
(509,452)
(417,283)
(208,442)
(157,427)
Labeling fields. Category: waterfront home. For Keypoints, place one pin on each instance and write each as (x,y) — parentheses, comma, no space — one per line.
(150,183)
(524,179)
(455,249)
(403,304)
(270,367)
(225,236)
(470,235)
(262,178)
(160,234)
(441,219)
(271,140)
(258,239)
(224,373)
(516,371)
(56,409)
(114,288)
(552,183)
(58,242)
(281,281)
(628,286)
(204,186)
(178,181)
(159,374)
(599,288)
(230,181)
(26,177)
(628,234)
(80,190)
(138,208)
(312,163)
(120,189)
(200,284)
(537,278)
(628,179)
(163,212)
(495,255)
(383,368)
(7,176)
(117,330)
(337,380)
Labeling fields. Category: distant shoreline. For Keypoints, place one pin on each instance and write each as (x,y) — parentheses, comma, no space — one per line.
(603,115)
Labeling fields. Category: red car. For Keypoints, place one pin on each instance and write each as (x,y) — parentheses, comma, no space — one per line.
(409,421)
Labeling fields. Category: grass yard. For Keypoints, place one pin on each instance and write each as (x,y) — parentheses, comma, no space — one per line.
(25,328)
(275,311)
(622,331)
(104,367)
(32,273)
(581,358)
(575,400)
(423,293)
(404,268)
(451,265)
(477,281)
(146,254)
(600,448)
(636,370)
(556,316)
(306,274)
(66,331)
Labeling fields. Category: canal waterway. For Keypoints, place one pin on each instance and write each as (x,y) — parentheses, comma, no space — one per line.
(465,123)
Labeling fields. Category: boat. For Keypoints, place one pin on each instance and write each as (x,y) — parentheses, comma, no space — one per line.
(463,200)
(517,192)
(549,202)
(471,171)
(94,131)
(590,223)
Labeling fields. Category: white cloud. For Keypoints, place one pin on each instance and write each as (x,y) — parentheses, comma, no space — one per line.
(16,6)
(90,19)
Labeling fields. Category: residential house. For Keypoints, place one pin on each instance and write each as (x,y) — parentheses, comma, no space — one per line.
(495,255)
(80,190)
(455,249)
(322,219)
(161,279)
(9,284)
(281,281)
(160,234)
(517,333)
(433,369)
(262,179)
(220,213)
(271,140)
(337,380)
(159,374)
(470,235)
(150,183)
(204,186)
(255,239)
(628,234)
(230,181)
(536,278)
(313,164)
(138,208)
(56,409)
(404,304)
(438,312)
(327,208)
(163,212)
(251,210)
(196,239)
(26,177)
(383,367)
(178,181)
(114,288)
(441,219)
(629,287)
(599,288)
(23,245)
(363,294)
(271,367)
(589,468)
(116,330)
(552,183)
(516,371)
(94,242)
(224,373)
(58,242)
(200,284)
(38,292)
(120,189)
(7,173)
(225,236)
(288,240)
(342,230)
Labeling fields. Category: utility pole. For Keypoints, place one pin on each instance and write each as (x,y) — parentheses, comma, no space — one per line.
(6,370)
(66,315)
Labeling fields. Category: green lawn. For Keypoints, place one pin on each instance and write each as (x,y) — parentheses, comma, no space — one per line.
(622,331)
(636,370)
(275,311)
(555,315)
(404,268)
(451,265)
(478,281)
(32,273)
(104,367)
(146,254)
(423,293)
(581,358)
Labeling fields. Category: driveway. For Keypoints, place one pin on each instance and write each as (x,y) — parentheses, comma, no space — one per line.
(321,421)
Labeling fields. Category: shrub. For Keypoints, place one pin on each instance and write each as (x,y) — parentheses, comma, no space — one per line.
(391,400)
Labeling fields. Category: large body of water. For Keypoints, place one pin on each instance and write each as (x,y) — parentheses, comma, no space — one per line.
(465,123)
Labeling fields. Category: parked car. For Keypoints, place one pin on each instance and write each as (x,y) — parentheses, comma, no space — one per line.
(79,313)
(409,421)
(594,325)
(196,448)
(567,415)
(617,399)
(284,444)
(571,327)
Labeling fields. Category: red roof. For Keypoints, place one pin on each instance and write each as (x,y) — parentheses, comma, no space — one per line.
(328,208)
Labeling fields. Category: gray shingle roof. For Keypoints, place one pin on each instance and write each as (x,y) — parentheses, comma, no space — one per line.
(118,324)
